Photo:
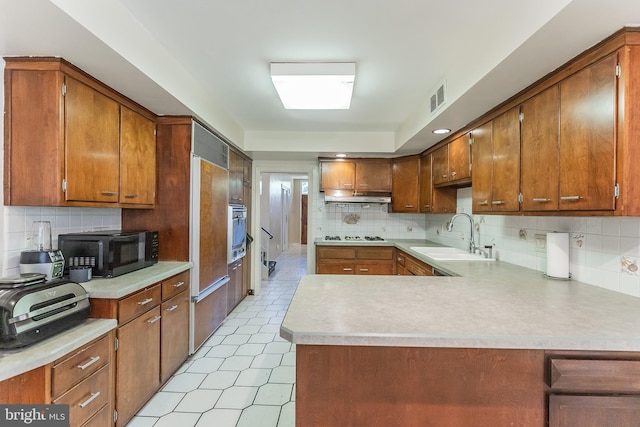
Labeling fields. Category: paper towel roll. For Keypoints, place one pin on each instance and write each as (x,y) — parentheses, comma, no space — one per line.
(558,255)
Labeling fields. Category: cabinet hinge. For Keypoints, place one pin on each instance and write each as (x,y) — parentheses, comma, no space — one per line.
(115,415)
(470,140)
(618,70)
(155,132)
(616,190)
(520,198)
(64,185)
(521,117)
(115,344)
(64,89)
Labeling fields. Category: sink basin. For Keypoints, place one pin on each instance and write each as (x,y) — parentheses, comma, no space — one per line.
(443,253)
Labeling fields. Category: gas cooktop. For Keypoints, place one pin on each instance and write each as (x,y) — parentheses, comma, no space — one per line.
(354,238)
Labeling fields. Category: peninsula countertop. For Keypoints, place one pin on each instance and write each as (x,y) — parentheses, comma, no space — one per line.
(489,305)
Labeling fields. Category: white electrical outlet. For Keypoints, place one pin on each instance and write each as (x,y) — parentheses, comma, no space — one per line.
(541,242)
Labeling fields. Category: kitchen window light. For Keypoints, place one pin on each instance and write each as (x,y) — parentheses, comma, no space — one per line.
(314,85)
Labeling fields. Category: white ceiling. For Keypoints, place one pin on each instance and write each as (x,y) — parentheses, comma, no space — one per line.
(211,59)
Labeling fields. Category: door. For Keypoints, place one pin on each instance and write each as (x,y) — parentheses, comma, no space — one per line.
(303,219)
(212,263)
(482,168)
(505,184)
(137,158)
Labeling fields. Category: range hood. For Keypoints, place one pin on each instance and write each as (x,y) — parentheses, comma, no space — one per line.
(348,196)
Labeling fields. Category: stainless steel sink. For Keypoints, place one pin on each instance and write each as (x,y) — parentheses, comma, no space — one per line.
(444,253)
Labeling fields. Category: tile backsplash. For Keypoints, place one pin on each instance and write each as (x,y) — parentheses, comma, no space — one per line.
(17,221)
(603,251)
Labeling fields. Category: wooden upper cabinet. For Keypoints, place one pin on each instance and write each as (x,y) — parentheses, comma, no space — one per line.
(587,137)
(506,161)
(337,175)
(63,139)
(440,165)
(482,168)
(137,158)
(236,178)
(459,159)
(425,183)
(373,175)
(539,151)
(405,195)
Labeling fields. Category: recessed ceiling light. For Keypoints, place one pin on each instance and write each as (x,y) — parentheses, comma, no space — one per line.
(314,85)
(341,155)
(441,131)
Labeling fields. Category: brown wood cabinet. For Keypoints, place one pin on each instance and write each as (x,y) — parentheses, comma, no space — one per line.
(496,164)
(235,286)
(434,200)
(355,260)
(363,175)
(239,177)
(82,379)
(152,337)
(451,163)
(406,265)
(66,143)
(405,196)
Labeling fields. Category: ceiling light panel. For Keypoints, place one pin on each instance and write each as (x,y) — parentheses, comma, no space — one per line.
(314,85)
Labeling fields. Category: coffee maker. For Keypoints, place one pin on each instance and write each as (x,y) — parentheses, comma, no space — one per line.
(41,258)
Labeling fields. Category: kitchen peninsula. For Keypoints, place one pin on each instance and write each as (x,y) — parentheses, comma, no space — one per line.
(500,345)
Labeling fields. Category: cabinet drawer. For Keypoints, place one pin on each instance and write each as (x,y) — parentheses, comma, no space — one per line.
(401,259)
(335,268)
(80,365)
(580,375)
(374,253)
(418,269)
(385,268)
(601,411)
(136,304)
(103,418)
(324,252)
(86,398)
(174,285)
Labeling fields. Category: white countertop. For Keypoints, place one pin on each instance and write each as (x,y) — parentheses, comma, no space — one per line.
(492,305)
(21,360)
(121,286)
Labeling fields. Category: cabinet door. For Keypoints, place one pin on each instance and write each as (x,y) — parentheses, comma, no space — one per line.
(337,175)
(234,287)
(378,268)
(482,167)
(138,364)
(539,172)
(92,144)
(174,337)
(405,185)
(440,165)
(137,158)
(336,267)
(594,411)
(587,137)
(459,158)
(505,185)
(236,174)
(425,184)
(374,175)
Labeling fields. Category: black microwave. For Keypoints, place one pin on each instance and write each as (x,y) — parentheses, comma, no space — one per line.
(109,253)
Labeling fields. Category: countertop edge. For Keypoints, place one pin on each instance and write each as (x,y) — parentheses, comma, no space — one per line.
(25,359)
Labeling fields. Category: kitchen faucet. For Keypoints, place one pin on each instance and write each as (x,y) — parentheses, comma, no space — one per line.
(472,243)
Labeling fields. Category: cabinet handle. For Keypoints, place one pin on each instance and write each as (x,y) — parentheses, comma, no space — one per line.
(497,202)
(145,302)
(89,363)
(484,203)
(154,320)
(364,269)
(408,206)
(444,176)
(400,259)
(130,196)
(571,197)
(173,307)
(453,174)
(90,399)
(541,199)
(363,185)
(347,185)
(177,285)
(427,206)
(109,193)
(347,269)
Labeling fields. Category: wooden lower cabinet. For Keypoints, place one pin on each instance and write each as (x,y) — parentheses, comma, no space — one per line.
(152,337)
(406,265)
(235,285)
(594,411)
(359,260)
(138,364)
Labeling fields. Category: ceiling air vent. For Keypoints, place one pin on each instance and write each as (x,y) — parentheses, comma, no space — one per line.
(437,98)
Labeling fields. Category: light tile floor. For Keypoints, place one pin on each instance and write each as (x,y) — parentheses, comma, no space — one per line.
(244,375)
